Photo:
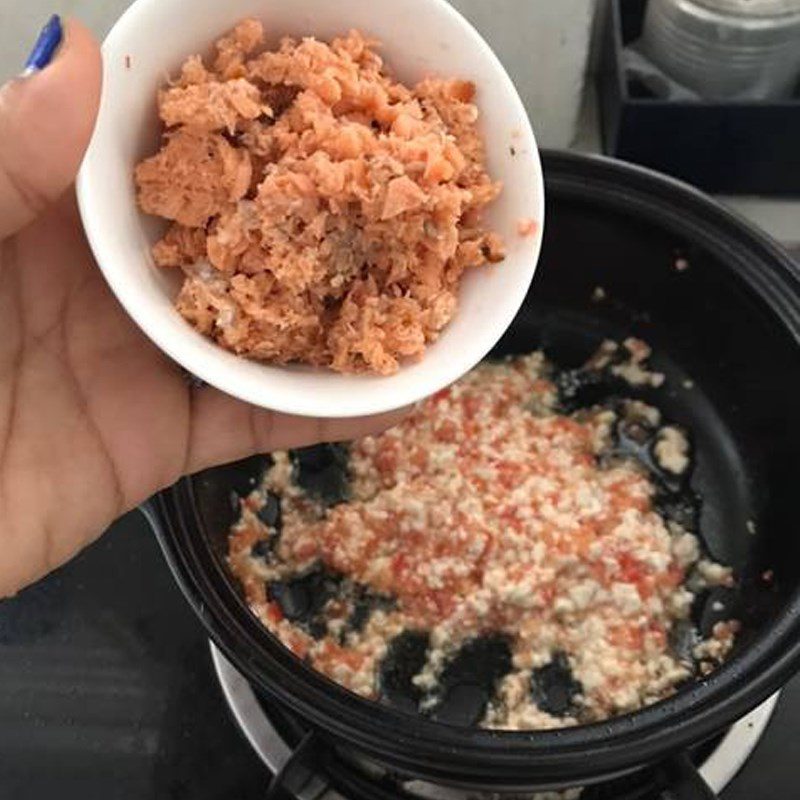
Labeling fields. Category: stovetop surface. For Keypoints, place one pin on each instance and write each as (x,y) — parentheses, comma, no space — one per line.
(107,691)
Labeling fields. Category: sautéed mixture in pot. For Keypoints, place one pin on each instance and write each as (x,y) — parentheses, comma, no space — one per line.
(521,552)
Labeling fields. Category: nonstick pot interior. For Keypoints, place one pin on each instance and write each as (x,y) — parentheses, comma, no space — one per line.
(726,332)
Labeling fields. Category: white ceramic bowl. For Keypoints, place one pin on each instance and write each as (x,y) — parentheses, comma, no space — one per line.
(420,37)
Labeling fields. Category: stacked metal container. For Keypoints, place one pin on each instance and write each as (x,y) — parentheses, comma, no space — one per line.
(726,49)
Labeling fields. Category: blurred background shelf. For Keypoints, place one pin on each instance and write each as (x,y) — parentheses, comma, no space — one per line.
(736,146)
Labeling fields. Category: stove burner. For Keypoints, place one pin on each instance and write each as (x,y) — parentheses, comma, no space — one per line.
(718,769)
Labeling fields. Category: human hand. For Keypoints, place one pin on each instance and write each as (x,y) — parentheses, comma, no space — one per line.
(93,418)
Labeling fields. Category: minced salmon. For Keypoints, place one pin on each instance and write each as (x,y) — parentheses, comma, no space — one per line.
(321,211)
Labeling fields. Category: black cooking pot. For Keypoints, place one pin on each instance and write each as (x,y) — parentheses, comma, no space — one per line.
(726,332)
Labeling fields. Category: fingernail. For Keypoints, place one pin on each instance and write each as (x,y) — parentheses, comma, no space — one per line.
(46,45)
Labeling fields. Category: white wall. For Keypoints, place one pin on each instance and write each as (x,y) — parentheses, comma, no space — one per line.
(543,44)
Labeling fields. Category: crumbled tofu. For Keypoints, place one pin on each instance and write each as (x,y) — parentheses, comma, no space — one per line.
(636,375)
(636,409)
(634,370)
(488,511)
(672,450)
(686,549)
(714,574)
(681,264)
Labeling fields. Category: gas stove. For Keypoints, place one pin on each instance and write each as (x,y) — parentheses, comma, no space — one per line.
(284,751)
(108,688)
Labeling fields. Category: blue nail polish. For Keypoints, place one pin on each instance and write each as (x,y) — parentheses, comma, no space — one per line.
(46,45)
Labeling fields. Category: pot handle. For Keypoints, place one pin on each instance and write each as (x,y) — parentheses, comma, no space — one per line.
(679,779)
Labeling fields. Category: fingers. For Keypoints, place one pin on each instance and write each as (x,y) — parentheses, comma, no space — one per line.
(224,430)
(46,122)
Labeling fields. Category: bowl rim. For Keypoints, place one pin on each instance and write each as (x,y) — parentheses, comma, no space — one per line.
(260,390)
(404,740)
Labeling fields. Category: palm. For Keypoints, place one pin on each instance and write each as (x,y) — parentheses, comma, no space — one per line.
(92,417)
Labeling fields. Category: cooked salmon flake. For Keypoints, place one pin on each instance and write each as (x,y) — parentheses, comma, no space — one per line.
(321,211)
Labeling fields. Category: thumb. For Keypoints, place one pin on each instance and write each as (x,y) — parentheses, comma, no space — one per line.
(46,120)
